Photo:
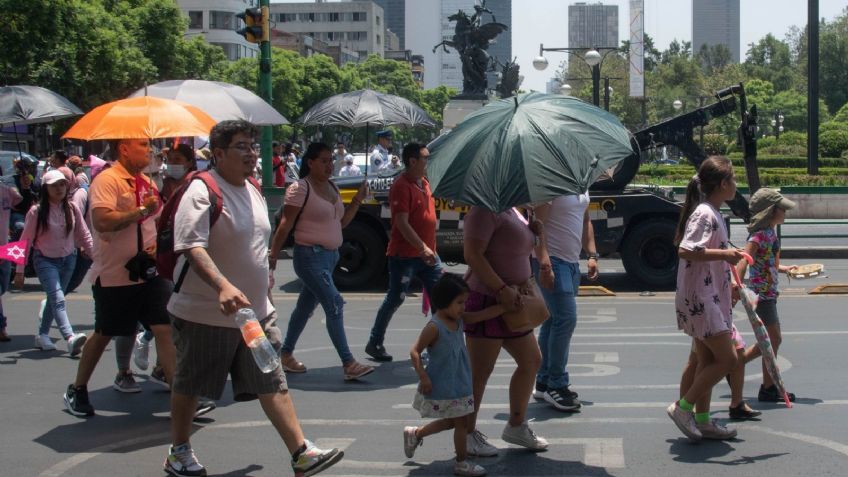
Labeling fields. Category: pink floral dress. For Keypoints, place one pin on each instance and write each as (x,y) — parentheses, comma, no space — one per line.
(703,299)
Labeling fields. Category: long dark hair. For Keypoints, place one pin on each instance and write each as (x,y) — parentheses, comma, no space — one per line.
(312,152)
(44,213)
(713,171)
(445,291)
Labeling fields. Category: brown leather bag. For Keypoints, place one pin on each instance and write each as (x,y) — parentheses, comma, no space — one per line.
(532,314)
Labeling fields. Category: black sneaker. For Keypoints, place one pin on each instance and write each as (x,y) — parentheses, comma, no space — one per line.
(562,399)
(770,394)
(539,392)
(743,413)
(378,352)
(204,406)
(573,394)
(76,400)
(158,376)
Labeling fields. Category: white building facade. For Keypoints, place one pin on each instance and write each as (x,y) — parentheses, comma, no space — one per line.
(358,26)
(216,21)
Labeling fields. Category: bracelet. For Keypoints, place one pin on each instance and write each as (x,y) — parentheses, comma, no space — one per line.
(593,256)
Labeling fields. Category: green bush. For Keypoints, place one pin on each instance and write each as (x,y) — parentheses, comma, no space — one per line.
(715,144)
(793,138)
(833,143)
(832,126)
(764,143)
(783,150)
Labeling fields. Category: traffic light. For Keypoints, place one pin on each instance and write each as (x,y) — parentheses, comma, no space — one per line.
(256,24)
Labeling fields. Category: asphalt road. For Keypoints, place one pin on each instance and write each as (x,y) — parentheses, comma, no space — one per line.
(626,361)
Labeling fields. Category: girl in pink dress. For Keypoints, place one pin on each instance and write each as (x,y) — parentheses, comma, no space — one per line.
(704,299)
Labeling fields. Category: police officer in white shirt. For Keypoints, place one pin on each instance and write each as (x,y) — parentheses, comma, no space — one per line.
(379,159)
(349,169)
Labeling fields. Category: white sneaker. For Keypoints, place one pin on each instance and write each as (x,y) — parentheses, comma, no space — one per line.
(523,436)
(43,342)
(410,441)
(476,444)
(467,467)
(141,352)
(685,421)
(75,344)
(716,431)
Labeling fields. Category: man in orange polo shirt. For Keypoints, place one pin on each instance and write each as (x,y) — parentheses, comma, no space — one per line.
(126,290)
(412,246)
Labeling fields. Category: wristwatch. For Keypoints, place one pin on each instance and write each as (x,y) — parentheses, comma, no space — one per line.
(144,211)
(593,256)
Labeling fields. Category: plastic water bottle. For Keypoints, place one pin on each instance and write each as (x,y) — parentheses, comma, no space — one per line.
(254,337)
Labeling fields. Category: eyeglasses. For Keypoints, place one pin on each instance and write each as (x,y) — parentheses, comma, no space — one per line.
(244,148)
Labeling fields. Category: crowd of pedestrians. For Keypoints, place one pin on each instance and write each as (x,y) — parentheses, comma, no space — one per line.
(218,227)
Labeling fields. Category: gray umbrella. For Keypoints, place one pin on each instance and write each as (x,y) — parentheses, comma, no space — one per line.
(367,108)
(22,105)
(220,100)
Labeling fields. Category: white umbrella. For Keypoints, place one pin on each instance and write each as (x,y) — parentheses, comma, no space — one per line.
(220,100)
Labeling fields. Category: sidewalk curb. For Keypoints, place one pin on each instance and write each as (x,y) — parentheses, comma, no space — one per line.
(814,252)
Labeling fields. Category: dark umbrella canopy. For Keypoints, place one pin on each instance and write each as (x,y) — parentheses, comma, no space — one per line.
(527,149)
(32,105)
(365,108)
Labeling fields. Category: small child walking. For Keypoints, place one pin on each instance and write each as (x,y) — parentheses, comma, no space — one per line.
(705,296)
(768,209)
(445,388)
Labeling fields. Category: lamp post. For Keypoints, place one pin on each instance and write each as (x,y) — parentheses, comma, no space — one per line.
(565,89)
(777,123)
(593,59)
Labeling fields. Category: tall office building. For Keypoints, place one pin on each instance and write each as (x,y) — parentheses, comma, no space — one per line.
(395,12)
(217,22)
(716,22)
(592,25)
(426,26)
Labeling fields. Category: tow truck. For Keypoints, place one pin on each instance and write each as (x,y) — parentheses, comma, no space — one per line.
(636,222)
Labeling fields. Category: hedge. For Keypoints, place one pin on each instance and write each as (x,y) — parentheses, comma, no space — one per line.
(766,180)
(769,161)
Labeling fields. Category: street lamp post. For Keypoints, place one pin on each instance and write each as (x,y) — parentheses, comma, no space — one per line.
(777,123)
(593,58)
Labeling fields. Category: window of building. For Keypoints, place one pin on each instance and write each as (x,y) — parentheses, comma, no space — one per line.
(195,20)
(230,50)
(378,39)
(362,54)
(377,19)
(360,16)
(357,35)
(222,20)
(287,17)
(333,17)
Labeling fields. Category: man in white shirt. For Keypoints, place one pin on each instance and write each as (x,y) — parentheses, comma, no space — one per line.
(349,169)
(379,158)
(568,230)
(340,158)
(227,270)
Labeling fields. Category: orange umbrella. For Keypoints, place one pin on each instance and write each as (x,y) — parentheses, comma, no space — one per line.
(145,117)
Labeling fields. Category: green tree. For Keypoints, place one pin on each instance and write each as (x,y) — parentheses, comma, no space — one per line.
(770,59)
(714,57)
(833,49)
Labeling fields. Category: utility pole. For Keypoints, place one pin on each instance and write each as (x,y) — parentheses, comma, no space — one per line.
(813,87)
(265,92)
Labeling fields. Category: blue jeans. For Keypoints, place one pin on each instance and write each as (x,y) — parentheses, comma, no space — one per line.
(314,266)
(5,276)
(555,333)
(401,272)
(54,275)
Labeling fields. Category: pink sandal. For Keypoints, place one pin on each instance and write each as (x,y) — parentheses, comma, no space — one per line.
(355,370)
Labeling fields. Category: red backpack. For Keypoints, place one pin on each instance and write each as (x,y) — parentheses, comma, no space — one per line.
(166,257)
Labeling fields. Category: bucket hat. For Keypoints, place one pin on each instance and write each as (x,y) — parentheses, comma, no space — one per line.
(762,205)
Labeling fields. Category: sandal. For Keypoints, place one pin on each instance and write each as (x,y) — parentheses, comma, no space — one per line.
(291,365)
(355,370)
(743,412)
(4,337)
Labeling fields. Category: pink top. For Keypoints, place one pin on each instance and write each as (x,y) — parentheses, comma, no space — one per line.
(320,223)
(509,243)
(54,242)
(9,197)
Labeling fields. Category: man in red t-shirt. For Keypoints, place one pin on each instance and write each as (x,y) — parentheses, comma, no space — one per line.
(412,246)
(279,165)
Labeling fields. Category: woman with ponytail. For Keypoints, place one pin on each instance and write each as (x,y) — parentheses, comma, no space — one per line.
(705,297)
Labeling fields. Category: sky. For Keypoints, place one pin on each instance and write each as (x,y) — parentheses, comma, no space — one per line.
(546,21)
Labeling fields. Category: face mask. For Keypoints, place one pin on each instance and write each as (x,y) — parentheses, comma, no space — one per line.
(175,171)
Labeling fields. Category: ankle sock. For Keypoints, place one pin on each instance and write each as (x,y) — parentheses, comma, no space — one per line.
(685,405)
(299,451)
(702,417)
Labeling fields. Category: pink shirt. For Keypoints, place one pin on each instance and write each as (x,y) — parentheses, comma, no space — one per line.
(54,242)
(508,243)
(9,197)
(320,223)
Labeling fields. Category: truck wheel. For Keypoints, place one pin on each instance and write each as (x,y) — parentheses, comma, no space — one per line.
(649,254)
(362,257)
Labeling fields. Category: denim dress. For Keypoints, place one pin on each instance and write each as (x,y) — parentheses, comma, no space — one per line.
(450,372)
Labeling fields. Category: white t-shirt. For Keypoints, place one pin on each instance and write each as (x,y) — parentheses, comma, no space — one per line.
(351,170)
(564,227)
(238,244)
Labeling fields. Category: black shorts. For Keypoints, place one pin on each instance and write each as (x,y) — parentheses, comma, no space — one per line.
(119,310)
(767,311)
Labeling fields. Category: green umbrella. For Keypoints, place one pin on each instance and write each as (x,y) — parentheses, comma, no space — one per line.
(526,149)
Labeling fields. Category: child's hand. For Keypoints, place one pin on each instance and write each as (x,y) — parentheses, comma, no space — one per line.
(735,294)
(787,268)
(425,387)
(733,255)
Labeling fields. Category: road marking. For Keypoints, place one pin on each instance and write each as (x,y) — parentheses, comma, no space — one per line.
(597,452)
(626,405)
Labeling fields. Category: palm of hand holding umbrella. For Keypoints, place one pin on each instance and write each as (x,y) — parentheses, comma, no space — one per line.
(527,149)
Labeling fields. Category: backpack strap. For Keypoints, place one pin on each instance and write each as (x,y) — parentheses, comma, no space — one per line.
(216,207)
